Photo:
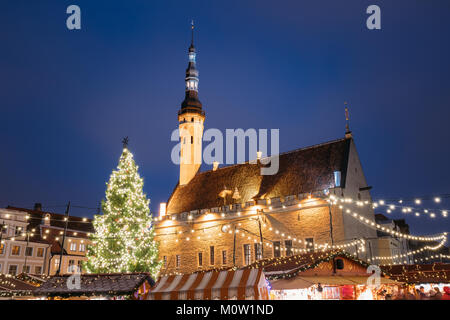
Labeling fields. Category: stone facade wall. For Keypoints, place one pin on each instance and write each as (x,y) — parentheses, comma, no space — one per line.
(281,220)
(292,223)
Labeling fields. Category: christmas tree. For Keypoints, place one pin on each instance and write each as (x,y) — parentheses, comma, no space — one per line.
(123,239)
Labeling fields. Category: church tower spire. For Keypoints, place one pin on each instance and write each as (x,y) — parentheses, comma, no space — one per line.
(190,121)
(191,101)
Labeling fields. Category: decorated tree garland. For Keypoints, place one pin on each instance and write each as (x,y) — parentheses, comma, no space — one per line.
(124,235)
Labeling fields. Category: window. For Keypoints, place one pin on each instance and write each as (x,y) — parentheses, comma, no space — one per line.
(12,270)
(2,248)
(4,229)
(247,254)
(258,251)
(276,249)
(82,247)
(80,265)
(56,263)
(165,261)
(28,251)
(26,269)
(15,251)
(200,259)
(18,231)
(71,268)
(309,244)
(288,246)
(40,252)
(192,137)
(73,246)
(178,260)
(224,256)
(211,255)
(38,270)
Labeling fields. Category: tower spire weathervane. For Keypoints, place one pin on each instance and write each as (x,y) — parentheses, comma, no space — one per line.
(192,28)
(348,133)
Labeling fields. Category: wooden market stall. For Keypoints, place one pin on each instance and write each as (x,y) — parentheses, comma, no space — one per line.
(333,275)
(16,287)
(108,286)
(248,284)
(421,275)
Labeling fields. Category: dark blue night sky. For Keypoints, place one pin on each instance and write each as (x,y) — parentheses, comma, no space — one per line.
(68,97)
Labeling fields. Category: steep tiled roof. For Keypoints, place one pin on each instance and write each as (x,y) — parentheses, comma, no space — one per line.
(10,285)
(56,220)
(300,171)
(289,266)
(95,284)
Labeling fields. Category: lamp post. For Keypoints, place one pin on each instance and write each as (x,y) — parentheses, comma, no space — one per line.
(260,233)
(64,238)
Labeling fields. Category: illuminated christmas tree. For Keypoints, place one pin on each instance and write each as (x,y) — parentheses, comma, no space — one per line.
(123,239)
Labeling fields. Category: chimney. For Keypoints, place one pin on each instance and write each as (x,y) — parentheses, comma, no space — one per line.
(37,207)
(162,209)
(215,165)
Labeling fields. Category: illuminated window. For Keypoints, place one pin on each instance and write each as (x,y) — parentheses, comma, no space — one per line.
(15,251)
(2,248)
(40,252)
(178,260)
(73,246)
(71,268)
(224,256)
(82,247)
(337,178)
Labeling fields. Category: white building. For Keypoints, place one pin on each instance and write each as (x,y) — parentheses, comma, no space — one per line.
(21,249)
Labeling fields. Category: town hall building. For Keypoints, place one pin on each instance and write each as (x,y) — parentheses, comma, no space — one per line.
(232,215)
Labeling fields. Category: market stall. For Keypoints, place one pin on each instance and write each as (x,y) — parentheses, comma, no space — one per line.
(15,288)
(428,276)
(248,284)
(110,286)
(331,275)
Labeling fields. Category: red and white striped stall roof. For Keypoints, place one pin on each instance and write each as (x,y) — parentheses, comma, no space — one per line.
(242,284)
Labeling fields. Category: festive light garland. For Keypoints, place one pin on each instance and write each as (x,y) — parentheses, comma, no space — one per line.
(391,207)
